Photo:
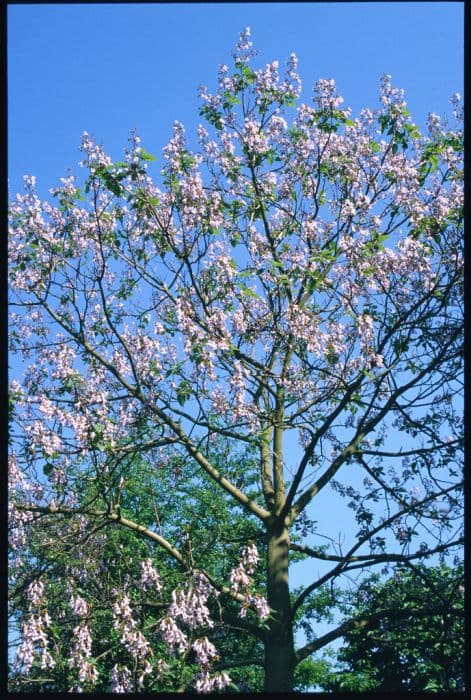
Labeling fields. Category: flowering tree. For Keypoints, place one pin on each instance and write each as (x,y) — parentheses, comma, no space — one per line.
(290,286)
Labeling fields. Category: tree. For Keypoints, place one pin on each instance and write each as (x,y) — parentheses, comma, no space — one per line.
(407,652)
(210,527)
(291,288)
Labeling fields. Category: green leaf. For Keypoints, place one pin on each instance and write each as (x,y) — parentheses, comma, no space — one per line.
(144,155)
(246,291)
(230,99)
(111,183)
(247,72)
(183,392)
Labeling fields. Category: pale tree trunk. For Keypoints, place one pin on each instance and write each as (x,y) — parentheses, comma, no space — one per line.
(279,643)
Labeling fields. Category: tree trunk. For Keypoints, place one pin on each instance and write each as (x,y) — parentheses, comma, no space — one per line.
(279,643)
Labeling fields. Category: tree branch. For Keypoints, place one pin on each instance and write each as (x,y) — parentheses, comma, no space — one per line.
(341,565)
(374,558)
(362,622)
(125,522)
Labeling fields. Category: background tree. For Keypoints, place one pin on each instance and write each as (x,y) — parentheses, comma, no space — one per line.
(408,652)
(83,562)
(293,288)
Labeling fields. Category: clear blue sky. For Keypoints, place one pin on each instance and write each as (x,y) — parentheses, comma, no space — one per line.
(109,68)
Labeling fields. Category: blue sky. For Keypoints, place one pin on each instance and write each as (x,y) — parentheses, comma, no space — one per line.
(108,68)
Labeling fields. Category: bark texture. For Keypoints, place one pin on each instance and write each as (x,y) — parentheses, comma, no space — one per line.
(279,643)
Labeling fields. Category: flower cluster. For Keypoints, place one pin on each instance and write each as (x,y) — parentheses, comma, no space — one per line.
(133,640)
(34,636)
(206,654)
(326,96)
(241,581)
(81,650)
(95,155)
(18,519)
(244,50)
(253,137)
(190,606)
(121,679)
(190,609)
(210,683)
(150,579)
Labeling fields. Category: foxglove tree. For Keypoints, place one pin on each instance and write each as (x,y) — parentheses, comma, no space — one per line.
(291,285)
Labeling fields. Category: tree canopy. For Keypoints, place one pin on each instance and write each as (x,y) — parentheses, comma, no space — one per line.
(410,651)
(273,319)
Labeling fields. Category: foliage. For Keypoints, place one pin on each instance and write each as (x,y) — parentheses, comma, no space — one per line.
(212,533)
(407,652)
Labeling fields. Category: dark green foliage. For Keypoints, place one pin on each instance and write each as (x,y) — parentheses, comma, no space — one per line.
(417,645)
